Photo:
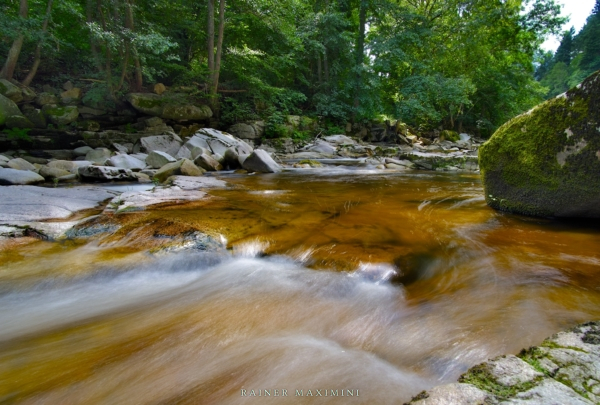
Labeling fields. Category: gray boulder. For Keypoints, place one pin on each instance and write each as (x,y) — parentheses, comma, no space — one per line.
(157,159)
(163,143)
(218,142)
(126,162)
(207,163)
(16,177)
(321,146)
(339,140)
(98,155)
(20,164)
(260,161)
(253,130)
(67,165)
(50,173)
(180,167)
(9,90)
(105,173)
(7,109)
(82,150)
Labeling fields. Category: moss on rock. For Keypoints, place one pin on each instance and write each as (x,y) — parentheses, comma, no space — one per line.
(546,162)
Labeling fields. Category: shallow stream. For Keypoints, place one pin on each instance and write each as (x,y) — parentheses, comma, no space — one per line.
(339,282)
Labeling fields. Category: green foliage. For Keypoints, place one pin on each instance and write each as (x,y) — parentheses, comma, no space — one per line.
(17,134)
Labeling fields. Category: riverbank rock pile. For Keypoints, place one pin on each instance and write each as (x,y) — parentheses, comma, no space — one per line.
(151,158)
(562,370)
(546,162)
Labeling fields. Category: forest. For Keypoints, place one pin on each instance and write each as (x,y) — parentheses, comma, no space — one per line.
(453,64)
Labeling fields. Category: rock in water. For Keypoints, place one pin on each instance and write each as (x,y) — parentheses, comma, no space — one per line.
(546,162)
(14,176)
(260,161)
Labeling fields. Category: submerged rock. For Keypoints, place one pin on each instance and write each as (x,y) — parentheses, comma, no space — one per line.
(546,162)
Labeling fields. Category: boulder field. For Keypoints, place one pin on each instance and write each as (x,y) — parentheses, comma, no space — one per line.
(546,162)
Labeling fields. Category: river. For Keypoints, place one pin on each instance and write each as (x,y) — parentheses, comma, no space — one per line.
(341,282)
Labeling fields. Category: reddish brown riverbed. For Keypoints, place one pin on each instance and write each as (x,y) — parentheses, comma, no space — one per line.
(303,299)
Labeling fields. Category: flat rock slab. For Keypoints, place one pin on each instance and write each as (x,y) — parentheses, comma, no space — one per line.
(14,177)
(32,203)
(197,183)
(136,200)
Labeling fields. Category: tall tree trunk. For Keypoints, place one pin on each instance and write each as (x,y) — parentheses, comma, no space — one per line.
(139,82)
(319,74)
(107,68)
(217,68)
(8,70)
(360,54)
(38,49)
(89,10)
(326,66)
(210,44)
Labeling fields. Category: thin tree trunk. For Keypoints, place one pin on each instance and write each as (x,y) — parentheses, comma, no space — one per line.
(139,82)
(8,70)
(211,37)
(360,54)
(89,7)
(326,66)
(319,73)
(107,68)
(38,49)
(217,69)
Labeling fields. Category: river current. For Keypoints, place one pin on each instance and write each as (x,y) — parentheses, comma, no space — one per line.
(356,283)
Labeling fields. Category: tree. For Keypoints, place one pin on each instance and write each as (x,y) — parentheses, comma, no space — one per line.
(8,69)
(565,49)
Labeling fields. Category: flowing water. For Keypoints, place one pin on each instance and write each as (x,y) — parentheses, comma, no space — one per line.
(350,283)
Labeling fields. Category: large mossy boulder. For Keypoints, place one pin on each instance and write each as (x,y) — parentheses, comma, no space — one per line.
(59,115)
(9,90)
(173,106)
(7,109)
(546,162)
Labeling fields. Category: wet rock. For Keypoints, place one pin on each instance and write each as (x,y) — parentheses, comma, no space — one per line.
(7,109)
(546,162)
(127,162)
(14,177)
(105,173)
(140,200)
(157,159)
(20,164)
(196,183)
(98,155)
(208,163)
(10,91)
(260,161)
